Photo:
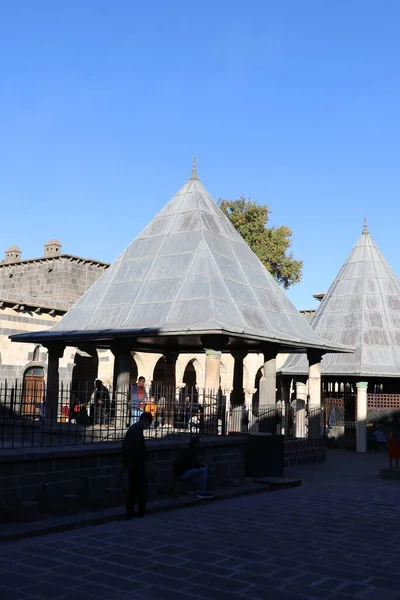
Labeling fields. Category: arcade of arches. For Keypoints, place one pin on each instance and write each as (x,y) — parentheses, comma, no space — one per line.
(205,372)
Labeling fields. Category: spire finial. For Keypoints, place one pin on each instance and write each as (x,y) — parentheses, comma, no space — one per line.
(365,230)
(194,171)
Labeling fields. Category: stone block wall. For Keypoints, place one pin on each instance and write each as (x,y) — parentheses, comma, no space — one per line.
(301,452)
(47,475)
(64,278)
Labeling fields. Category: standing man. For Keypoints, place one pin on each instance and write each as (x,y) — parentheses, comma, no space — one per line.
(101,403)
(138,400)
(134,457)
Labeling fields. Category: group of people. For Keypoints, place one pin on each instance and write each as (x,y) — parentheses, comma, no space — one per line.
(99,410)
(187,467)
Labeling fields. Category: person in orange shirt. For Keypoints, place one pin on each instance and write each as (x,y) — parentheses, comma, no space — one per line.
(151,407)
(138,399)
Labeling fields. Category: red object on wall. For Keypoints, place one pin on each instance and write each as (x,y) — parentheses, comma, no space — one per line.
(393,449)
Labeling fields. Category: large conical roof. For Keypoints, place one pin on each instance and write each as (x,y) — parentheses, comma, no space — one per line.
(362,309)
(189,272)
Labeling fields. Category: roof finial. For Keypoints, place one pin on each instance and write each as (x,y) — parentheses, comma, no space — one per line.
(194,172)
(365,230)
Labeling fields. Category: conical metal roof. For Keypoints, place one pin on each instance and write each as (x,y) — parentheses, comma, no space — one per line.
(189,272)
(362,309)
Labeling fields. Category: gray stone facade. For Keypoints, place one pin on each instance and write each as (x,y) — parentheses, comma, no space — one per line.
(65,278)
(34,295)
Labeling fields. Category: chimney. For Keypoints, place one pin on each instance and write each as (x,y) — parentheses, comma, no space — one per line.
(52,248)
(12,255)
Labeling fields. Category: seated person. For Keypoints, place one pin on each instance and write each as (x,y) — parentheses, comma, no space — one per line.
(188,468)
(377,438)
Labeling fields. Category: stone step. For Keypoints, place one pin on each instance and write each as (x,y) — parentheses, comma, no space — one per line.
(278,483)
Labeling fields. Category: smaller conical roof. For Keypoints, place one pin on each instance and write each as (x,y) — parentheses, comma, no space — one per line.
(13,248)
(53,242)
(361,309)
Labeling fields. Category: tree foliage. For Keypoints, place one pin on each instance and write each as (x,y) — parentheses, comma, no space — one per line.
(270,244)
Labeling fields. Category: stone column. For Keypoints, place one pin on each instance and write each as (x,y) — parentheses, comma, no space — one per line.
(227,393)
(362,405)
(286,413)
(314,393)
(212,372)
(237,396)
(170,375)
(55,352)
(300,416)
(121,385)
(267,394)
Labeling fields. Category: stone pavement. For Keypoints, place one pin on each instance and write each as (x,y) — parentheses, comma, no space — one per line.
(337,537)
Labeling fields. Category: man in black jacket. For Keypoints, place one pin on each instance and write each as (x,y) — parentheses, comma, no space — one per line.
(188,468)
(134,457)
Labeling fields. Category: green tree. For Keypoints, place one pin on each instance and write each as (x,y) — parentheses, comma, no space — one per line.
(270,244)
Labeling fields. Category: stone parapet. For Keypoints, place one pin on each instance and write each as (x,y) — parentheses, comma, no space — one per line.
(304,451)
(50,475)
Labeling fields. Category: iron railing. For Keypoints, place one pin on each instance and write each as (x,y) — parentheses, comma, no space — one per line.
(83,416)
(30,417)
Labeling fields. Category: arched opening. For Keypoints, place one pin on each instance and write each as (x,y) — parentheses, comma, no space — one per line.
(190,376)
(36,354)
(256,395)
(84,373)
(160,372)
(134,374)
(33,393)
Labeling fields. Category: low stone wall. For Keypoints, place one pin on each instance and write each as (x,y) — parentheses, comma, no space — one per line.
(72,478)
(69,479)
(301,452)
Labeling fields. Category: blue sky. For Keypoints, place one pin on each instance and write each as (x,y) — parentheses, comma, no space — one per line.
(293,103)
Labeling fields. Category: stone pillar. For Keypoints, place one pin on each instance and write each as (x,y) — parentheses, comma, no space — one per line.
(286,412)
(227,394)
(237,396)
(248,398)
(121,385)
(170,374)
(362,405)
(267,395)
(314,393)
(300,408)
(55,352)
(212,372)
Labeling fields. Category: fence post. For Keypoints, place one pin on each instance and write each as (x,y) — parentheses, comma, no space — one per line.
(361,412)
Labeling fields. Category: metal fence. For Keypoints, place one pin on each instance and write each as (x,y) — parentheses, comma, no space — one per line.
(84,416)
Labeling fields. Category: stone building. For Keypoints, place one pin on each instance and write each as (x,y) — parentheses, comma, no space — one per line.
(34,294)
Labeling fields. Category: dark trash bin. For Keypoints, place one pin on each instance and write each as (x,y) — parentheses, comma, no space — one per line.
(264,455)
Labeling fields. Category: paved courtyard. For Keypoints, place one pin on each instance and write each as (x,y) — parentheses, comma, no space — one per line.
(336,537)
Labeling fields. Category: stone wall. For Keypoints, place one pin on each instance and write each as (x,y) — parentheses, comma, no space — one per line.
(92,476)
(301,452)
(63,277)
